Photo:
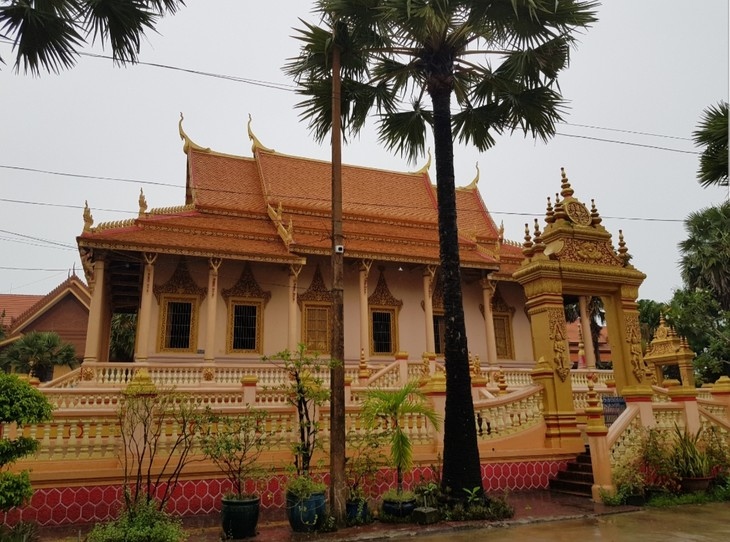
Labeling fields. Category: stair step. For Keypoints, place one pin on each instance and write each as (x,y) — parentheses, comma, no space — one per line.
(574,476)
(569,486)
(580,467)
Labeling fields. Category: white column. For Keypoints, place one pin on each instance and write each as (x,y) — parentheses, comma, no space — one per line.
(96,312)
(144,319)
(585,323)
(292,335)
(429,274)
(488,289)
(212,309)
(364,319)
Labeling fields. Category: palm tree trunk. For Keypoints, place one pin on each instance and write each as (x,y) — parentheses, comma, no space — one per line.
(462,467)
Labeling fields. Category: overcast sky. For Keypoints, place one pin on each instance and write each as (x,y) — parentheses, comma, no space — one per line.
(647,66)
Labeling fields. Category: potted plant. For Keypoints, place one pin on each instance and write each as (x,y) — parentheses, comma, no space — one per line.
(234,442)
(690,460)
(305,391)
(363,461)
(388,407)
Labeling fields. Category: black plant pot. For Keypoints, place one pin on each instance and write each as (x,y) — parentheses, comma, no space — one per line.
(239,516)
(357,512)
(399,509)
(305,515)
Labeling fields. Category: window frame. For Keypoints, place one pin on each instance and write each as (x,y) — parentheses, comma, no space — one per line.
(165,302)
(393,311)
(234,302)
(327,307)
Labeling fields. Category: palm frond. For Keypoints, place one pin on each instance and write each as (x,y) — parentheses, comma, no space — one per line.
(405,131)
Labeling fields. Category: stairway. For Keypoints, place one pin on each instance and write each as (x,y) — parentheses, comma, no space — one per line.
(577,479)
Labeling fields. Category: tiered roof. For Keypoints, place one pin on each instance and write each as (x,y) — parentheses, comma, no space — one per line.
(276,207)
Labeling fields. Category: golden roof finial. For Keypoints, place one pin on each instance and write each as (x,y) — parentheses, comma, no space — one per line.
(474,183)
(623,252)
(188,143)
(142,203)
(595,217)
(501,232)
(427,166)
(565,189)
(539,246)
(255,143)
(527,247)
(558,209)
(549,213)
(88,219)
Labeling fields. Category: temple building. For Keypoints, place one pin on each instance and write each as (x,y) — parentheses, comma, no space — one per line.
(242,268)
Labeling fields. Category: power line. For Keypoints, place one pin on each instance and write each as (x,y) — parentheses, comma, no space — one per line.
(627,143)
(93,177)
(30,237)
(593,127)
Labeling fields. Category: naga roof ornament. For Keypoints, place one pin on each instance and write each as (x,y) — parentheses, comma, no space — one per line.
(255,143)
(426,166)
(187,142)
(473,184)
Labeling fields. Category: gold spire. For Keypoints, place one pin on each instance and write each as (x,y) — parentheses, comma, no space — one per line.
(255,143)
(549,213)
(527,248)
(565,189)
(188,143)
(623,252)
(595,217)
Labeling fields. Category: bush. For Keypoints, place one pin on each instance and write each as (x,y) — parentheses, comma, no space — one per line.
(144,523)
(22,532)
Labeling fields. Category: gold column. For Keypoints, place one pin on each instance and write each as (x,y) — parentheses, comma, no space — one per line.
(364,320)
(210,342)
(292,335)
(585,324)
(488,289)
(96,312)
(428,277)
(145,309)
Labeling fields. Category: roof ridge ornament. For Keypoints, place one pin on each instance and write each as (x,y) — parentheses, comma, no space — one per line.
(88,219)
(473,184)
(426,166)
(255,143)
(188,143)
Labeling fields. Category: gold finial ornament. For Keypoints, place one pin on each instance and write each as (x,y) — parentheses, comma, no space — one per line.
(595,217)
(88,219)
(427,166)
(142,203)
(255,143)
(565,189)
(474,183)
(549,213)
(501,232)
(623,252)
(187,142)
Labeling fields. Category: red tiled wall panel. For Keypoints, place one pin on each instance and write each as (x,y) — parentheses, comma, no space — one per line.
(63,506)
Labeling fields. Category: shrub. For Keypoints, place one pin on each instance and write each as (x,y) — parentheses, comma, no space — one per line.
(143,523)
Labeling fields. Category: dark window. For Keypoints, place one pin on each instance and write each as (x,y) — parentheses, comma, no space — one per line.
(244,327)
(179,318)
(382,332)
(439,332)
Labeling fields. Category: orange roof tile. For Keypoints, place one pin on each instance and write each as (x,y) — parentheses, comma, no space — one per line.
(15,304)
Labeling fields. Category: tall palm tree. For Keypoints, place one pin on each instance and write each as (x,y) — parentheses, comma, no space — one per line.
(48,35)
(500,59)
(712,134)
(705,261)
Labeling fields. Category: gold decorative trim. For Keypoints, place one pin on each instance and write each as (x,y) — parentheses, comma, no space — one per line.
(172,297)
(234,302)
(115,225)
(382,296)
(247,287)
(172,210)
(557,335)
(633,337)
(142,204)
(285,232)
(317,291)
(88,219)
(427,166)
(181,282)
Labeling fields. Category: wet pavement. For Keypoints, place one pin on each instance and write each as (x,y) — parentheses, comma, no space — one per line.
(540,516)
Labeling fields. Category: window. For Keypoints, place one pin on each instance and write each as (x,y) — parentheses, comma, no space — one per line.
(317,328)
(179,317)
(245,326)
(382,327)
(439,333)
(503,336)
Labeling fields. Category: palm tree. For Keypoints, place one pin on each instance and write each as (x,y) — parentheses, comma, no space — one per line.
(122,339)
(404,52)
(705,261)
(38,352)
(389,407)
(712,134)
(47,36)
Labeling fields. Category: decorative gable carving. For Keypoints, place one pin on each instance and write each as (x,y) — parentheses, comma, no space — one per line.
(382,296)
(247,287)
(180,283)
(317,291)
